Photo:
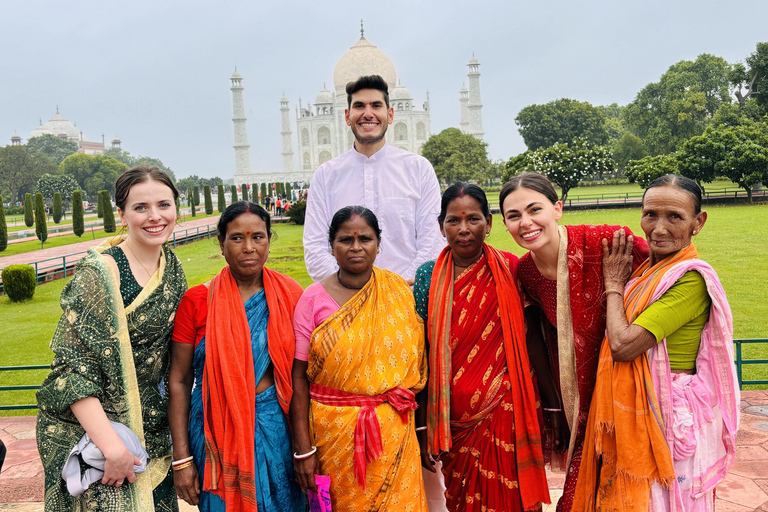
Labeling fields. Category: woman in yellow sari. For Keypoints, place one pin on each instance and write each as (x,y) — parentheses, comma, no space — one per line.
(359,363)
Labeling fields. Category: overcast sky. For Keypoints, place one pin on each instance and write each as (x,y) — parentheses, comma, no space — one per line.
(156,73)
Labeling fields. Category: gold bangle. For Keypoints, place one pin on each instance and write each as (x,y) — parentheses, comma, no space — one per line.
(182,466)
(606,292)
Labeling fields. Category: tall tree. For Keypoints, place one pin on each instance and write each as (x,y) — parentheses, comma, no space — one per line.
(57,207)
(41,221)
(644,170)
(94,173)
(3,227)
(185,185)
(752,81)
(155,162)
(517,165)
(53,147)
(567,164)
(456,155)
(561,120)
(667,113)
(49,184)
(208,200)
(78,222)
(629,147)
(739,153)
(29,218)
(19,170)
(222,203)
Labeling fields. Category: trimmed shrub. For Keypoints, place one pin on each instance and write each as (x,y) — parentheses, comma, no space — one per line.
(19,282)
(99,205)
(41,223)
(3,227)
(222,198)
(297,212)
(29,218)
(208,199)
(109,215)
(233,189)
(263,193)
(78,224)
(255,193)
(244,191)
(196,196)
(178,208)
(288,192)
(57,207)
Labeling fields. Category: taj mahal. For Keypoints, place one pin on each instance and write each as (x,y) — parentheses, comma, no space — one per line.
(322,132)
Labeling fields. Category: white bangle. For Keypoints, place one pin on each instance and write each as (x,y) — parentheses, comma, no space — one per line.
(305,455)
(182,461)
(419,429)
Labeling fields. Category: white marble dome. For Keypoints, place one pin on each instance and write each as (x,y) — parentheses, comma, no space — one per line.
(360,60)
(323,97)
(57,126)
(399,93)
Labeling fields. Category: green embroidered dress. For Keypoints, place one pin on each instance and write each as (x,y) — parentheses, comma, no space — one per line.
(120,355)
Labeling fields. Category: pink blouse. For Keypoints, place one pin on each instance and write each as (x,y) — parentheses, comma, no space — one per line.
(314,308)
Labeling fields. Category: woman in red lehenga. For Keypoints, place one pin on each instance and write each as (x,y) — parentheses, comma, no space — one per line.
(481,412)
(562,278)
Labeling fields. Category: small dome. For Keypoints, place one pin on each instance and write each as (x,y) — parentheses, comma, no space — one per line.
(360,60)
(236,74)
(473,60)
(57,126)
(399,93)
(323,97)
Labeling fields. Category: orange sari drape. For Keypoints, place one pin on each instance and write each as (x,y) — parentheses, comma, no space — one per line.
(229,387)
(373,344)
(625,448)
(479,363)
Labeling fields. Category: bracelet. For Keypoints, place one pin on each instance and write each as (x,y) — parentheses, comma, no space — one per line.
(552,410)
(183,466)
(182,461)
(305,455)
(419,429)
(606,292)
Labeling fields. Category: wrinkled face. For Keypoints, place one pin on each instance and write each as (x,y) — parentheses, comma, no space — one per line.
(150,213)
(368,116)
(669,220)
(531,218)
(465,227)
(355,246)
(246,245)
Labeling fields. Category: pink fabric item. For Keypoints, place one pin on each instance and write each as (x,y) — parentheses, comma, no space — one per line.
(704,406)
(314,308)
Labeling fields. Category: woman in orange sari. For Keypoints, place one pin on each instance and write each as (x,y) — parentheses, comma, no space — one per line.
(662,425)
(481,413)
(358,365)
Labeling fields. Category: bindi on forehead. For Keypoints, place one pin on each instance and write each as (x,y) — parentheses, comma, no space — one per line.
(247,232)
(463,213)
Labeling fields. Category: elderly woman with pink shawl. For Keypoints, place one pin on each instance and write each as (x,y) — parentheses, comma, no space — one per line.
(664,415)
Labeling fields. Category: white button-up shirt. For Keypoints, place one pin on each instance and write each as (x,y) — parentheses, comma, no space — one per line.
(398,186)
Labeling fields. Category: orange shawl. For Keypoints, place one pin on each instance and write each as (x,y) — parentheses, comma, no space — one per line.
(625,426)
(530,460)
(229,387)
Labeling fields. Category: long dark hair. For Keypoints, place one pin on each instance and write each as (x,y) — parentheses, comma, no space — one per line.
(346,213)
(530,180)
(235,210)
(461,189)
(681,182)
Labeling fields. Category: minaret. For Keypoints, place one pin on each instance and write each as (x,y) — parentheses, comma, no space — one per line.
(464,100)
(475,106)
(242,149)
(286,133)
(15,139)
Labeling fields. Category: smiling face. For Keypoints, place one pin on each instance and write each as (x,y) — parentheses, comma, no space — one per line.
(150,214)
(368,116)
(669,220)
(531,218)
(355,246)
(245,245)
(465,227)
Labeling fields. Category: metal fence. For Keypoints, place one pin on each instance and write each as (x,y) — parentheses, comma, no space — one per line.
(62,266)
(740,362)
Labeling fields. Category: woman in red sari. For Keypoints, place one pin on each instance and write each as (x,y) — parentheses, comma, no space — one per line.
(481,415)
(562,278)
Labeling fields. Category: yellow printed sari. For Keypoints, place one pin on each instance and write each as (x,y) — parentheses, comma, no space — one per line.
(373,344)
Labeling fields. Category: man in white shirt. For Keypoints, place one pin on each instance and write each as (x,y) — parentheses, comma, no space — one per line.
(400,187)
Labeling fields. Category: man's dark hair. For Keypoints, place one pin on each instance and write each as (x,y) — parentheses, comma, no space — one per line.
(367,82)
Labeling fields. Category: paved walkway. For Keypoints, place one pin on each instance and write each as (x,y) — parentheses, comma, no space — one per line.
(745,489)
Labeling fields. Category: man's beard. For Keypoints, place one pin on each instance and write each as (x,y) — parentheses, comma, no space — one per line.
(369,140)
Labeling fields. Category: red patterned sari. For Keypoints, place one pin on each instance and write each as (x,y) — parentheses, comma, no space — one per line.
(492,458)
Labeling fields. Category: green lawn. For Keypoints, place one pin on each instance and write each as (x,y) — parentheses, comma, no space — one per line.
(733,242)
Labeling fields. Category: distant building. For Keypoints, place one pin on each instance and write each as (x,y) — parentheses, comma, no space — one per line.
(322,132)
(61,127)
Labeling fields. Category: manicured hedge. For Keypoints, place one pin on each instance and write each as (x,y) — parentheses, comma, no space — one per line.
(19,282)
(41,221)
(78,224)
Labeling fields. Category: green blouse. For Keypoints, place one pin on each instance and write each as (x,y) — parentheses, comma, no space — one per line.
(129,287)
(679,316)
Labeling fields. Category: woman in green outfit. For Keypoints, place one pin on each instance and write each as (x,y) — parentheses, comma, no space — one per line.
(111,356)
